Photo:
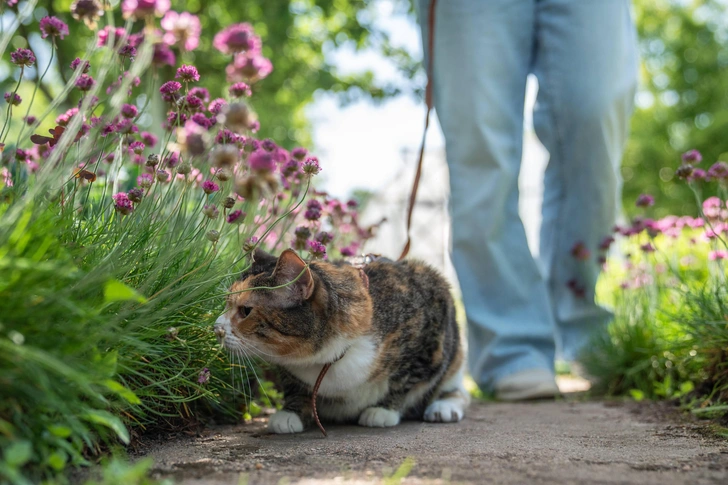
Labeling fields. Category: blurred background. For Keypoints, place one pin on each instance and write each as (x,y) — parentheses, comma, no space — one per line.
(348,82)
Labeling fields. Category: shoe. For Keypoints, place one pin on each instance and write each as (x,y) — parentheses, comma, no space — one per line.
(527,384)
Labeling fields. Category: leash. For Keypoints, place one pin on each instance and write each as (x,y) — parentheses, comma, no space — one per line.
(360,264)
(411,206)
(428,102)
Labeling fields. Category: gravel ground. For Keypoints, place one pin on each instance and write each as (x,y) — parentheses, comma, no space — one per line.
(546,442)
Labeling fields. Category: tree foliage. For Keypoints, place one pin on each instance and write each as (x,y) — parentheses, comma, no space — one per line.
(296,34)
(683,102)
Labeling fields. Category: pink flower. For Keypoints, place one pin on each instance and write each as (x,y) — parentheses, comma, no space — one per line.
(606,243)
(163,56)
(23,57)
(313,210)
(137,147)
(248,67)
(54,27)
(187,74)
(106,33)
(235,215)
(201,93)
(135,195)
(77,62)
(237,38)
(718,255)
(645,200)
(128,51)
(170,87)
(209,187)
(311,166)
(201,120)
(144,8)
(193,103)
(324,237)
(580,251)
(647,248)
(122,204)
(712,207)
(129,111)
(211,211)
(299,153)
(317,250)
(13,98)
(261,161)
(204,376)
(145,180)
(163,175)
(181,29)
(697,174)
(217,105)
(238,90)
(85,82)
(348,251)
(578,290)
(692,157)
(719,171)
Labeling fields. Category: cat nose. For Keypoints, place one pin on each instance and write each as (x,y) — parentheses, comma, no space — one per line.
(220,331)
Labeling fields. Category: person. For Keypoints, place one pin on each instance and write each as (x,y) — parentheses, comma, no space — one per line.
(583,52)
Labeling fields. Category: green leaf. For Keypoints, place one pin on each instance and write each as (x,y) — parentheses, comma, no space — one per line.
(122,391)
(18,453)
(636,394)
(6,428)
(115,290)
(60,431)
(254,409)
(107,419)
(108,362)
(57,460)
(686,387)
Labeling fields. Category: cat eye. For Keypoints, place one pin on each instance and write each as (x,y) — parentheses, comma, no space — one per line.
(245,311)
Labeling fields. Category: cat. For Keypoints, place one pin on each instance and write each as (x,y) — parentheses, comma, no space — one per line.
(394,342)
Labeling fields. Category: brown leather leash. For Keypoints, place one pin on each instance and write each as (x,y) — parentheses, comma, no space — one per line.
(428,101)
(412,198)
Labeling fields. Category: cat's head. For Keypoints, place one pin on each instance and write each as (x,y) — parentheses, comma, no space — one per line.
(287,312)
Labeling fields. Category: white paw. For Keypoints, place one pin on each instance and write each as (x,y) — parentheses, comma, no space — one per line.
(445,411)
(284,422)
(379,418)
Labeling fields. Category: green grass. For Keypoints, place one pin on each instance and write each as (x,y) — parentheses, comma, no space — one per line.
(106,319)
(670,335)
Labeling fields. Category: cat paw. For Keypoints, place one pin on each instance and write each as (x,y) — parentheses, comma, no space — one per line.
(444,411)
(379,418)
(285,422)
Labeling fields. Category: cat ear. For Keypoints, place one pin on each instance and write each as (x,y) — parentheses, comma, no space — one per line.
(262,258)
(288,268)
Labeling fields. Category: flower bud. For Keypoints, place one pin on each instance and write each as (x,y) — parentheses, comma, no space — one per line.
(212,235)
(152,160)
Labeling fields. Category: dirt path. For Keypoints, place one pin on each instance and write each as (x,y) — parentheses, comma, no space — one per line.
(547,442)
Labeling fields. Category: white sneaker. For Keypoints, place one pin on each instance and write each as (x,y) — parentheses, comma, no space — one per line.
(527,384)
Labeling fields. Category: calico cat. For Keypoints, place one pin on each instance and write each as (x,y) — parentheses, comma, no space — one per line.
(394,342)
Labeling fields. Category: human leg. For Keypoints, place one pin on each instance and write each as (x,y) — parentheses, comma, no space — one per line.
(482,54)
(586,61)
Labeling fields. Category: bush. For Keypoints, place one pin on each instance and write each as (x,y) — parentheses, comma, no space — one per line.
(116,250)
(667,286)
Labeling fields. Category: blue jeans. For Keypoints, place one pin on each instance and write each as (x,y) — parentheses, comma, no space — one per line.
(583,53)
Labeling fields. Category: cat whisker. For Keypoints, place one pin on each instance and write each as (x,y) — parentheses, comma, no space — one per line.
(260,384)
(241,365)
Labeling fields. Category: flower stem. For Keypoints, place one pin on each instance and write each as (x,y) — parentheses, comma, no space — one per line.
(9,112)
(35,90)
